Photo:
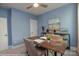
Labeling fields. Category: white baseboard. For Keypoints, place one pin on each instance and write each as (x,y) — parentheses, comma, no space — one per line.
(73,48)
(22,44)
(16,46)
(9,46)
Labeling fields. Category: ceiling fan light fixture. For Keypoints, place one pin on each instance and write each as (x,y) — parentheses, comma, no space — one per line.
(35,5)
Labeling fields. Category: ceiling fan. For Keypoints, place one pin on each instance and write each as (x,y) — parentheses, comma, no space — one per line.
(35,5)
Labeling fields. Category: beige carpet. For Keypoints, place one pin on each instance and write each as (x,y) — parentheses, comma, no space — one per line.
(14,51)
(21,51)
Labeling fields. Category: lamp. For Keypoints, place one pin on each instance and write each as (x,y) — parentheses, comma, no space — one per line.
(35,5)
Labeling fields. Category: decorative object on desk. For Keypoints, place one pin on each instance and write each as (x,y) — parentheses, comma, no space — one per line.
(43,28)
(47,31)
(54,30)
(49,36)
(43,31)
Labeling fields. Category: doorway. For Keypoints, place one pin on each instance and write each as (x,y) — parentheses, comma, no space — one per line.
(33,27)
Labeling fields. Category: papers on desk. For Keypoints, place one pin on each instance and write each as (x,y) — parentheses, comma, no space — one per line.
(43,38)
(39,40)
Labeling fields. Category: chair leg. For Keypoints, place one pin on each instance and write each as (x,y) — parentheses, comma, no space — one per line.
(46,54)
(55,53)
(27,53)
(61,55)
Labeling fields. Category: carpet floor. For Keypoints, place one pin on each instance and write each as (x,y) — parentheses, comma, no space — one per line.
(21,51)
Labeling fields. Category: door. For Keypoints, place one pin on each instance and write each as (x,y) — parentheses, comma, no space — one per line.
(3,34)
(33,27)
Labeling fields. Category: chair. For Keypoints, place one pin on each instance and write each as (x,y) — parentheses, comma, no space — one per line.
(32,51)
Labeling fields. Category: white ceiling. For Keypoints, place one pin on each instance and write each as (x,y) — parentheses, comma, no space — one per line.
(34,11)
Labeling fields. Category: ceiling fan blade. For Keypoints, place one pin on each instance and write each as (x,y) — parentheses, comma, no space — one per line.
(45,6)
(29,7)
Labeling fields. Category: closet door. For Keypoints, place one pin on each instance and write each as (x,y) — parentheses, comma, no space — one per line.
(3,34)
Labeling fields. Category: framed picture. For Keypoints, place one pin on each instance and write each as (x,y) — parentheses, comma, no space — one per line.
(54,24)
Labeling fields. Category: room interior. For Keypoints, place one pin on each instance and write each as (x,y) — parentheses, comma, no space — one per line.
(23,20)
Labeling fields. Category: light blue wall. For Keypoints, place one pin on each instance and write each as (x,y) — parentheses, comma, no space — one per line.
(3,12)
(68,17)
(20,25)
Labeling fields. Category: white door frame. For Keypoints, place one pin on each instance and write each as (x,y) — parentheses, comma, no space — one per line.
(33,27)
(5,42)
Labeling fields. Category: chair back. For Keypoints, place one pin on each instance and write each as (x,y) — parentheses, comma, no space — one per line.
(30,48)
(34,37)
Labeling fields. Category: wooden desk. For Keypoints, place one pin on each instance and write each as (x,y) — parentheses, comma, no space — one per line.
(54,47)
(62,34)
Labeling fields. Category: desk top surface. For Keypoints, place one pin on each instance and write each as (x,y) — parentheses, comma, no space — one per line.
(53,45)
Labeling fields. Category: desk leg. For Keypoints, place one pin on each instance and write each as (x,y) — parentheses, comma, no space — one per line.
(47,52)
(69,41)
